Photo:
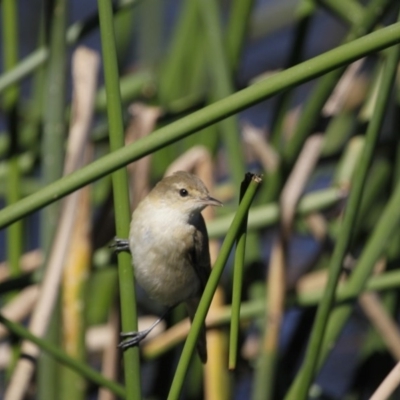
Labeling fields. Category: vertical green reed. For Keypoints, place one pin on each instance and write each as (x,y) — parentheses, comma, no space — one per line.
(10,104)
(52,163)
(121,197)
(299,389)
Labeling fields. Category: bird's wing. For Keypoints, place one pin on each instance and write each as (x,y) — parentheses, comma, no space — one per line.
(200,253)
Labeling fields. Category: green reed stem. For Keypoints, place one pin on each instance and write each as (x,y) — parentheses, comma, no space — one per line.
(208,115)
(121,197)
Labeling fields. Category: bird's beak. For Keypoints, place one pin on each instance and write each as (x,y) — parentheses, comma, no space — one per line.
(210,201)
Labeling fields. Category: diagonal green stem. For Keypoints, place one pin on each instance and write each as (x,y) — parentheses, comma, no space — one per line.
(306,375)
(222,84)
(208,115)
(237,285)
(349,10)
(324,87)
(121,197)
(209,291)
(63,358)
(283,102)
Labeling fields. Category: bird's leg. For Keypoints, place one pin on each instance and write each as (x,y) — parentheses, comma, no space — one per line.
(130,339)
(120,245)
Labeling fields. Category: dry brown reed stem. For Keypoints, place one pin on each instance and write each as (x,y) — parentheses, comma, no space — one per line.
(199,161)
(318,226)
(275,299)
(87,63)
(343,90)
(290,122)
(315,281)
(29,262)
(98,337)
(178,332)
(263,152)
(5,355)
(297,181)
(382,321)
(276,277)
(143,121)
(109,364)
(75,275)
(389,384)
(19,307)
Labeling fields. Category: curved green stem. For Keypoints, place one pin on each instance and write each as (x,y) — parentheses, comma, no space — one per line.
(208,115)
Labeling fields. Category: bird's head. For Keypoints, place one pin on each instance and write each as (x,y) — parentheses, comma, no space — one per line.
(184,191)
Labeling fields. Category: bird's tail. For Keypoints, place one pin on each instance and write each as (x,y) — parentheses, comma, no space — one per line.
(201,346)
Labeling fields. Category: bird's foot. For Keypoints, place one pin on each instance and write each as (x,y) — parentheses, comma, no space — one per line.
(131,339)
(120,245)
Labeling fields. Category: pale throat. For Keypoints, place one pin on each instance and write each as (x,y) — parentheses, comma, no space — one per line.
(170,219)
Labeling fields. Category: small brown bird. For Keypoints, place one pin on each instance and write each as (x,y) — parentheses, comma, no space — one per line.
(169,245)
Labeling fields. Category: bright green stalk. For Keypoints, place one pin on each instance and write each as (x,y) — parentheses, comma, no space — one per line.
(121,197)
(238,269)
(208,115)
(210,288)
(222,84)
(324,88)
(299,390)
(63,358)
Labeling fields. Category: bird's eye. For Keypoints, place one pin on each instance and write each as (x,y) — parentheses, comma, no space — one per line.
(183,192)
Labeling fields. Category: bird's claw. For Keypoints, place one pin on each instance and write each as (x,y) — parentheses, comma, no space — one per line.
(131,339)
(120,245)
